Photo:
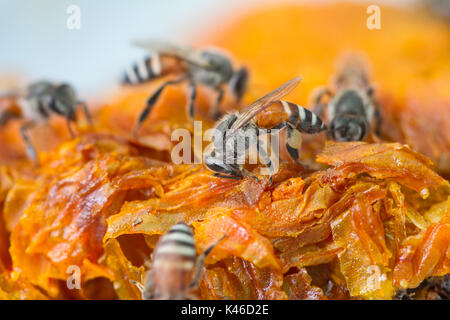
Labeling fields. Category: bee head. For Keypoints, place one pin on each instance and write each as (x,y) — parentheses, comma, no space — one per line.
(238,83)
(348,128)
(218,62)
(65,101)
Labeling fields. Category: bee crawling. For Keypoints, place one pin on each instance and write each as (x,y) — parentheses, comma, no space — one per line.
(174,270)
(38,102)
(351,114)
(208,67)
(222,155)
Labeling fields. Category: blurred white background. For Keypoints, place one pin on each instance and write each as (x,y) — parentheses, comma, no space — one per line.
(36,43)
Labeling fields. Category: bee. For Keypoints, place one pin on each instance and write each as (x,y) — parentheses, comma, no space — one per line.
(440,8)
(351,113)
(37,103)
(208,67)
(432,288)
(221,156)
(174,270)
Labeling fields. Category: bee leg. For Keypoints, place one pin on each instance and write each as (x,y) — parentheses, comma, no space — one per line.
(149,293)
(247,173)
(200,260)
(268,163)
(238,83)
(191,101)
(319,107)
(293,153)
(215,112)
(146,289)
(378,121)
(86,111)
(218,175)
(293,143)
(151,103)
(322,93)
(147,262)
(69,126)
(262,152)
(31,151)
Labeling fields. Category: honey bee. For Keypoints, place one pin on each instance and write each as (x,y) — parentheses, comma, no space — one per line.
(37,103)
(432,288)
(351,113)
(440,8)
(221,156)
(174,270)
(208,67)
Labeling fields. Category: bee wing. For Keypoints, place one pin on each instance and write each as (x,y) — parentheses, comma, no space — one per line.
(261,104)
(12,93)
(181,52)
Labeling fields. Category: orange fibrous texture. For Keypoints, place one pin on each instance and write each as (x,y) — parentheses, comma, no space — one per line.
(372,219)
(97,195)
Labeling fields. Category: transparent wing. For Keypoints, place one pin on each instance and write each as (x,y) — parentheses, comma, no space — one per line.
(261,104)
(167,48)
(12,93)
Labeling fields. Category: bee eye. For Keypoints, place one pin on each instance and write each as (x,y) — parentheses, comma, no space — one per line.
(209,57)
(238,82)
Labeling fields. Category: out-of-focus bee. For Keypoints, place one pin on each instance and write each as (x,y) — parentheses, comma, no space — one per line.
(440,8)
(208,67)
(432,288)
(37,103)
(175,270)
(351,113)
(221,156)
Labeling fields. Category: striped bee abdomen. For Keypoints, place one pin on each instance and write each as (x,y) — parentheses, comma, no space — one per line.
(144,70)
(176,249)
(302,119)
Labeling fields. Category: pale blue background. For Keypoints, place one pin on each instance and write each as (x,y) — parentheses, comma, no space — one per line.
(36,43)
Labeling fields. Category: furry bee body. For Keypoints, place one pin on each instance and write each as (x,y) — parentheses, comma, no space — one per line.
(208,67)
(175,268)
(351,114)
(38,102)
(224,157)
